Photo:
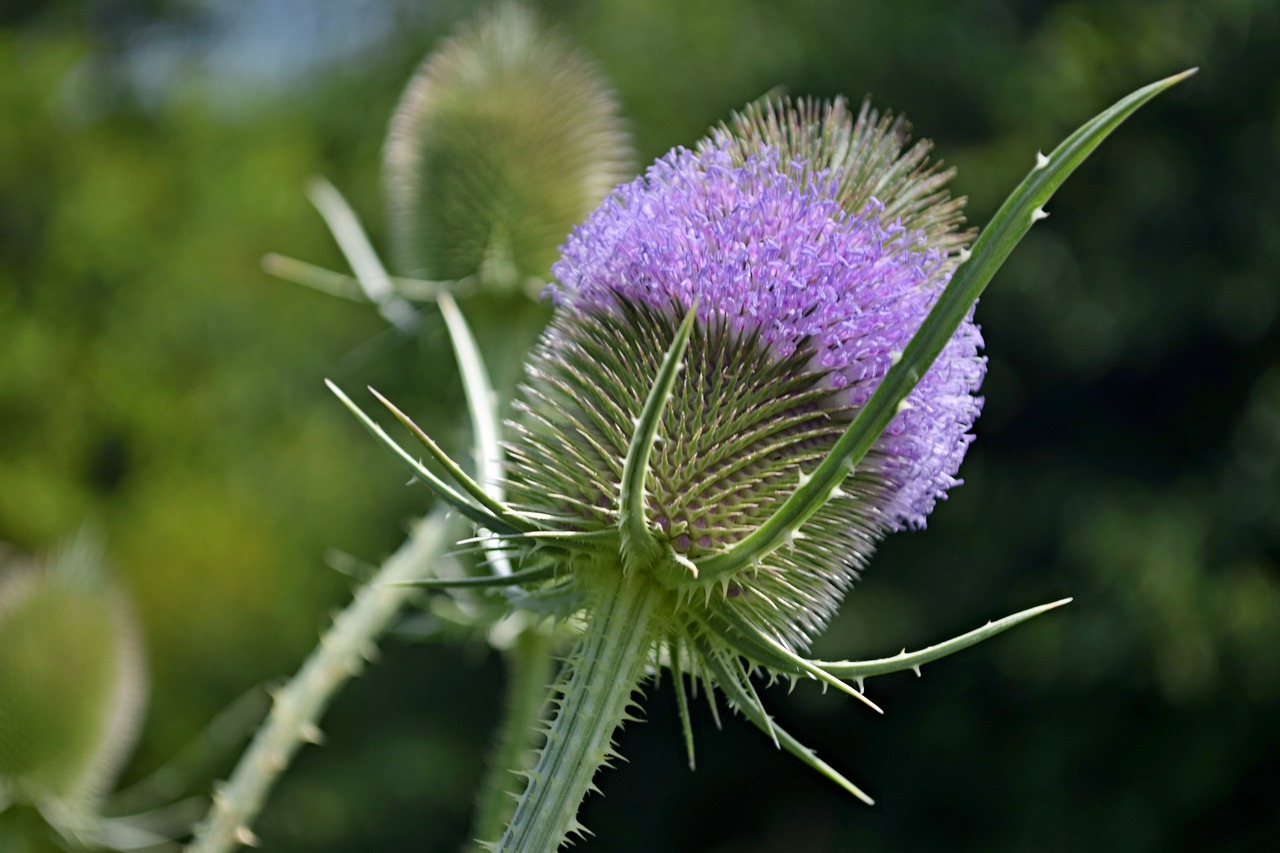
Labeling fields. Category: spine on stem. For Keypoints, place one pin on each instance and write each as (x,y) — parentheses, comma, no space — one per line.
(595,690)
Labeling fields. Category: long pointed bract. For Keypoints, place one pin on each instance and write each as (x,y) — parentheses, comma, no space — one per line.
(913,660)
(446,492)
(482,406)
(481,496)
(778,656)
(742,700)
(1012,221)
(638,542)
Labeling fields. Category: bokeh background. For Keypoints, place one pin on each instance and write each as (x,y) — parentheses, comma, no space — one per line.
(154,382)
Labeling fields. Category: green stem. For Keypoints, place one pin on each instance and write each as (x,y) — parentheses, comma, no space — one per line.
(596,688)
(296,711)
(529,671)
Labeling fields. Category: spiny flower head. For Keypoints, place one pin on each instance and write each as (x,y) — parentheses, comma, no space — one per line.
(760,363)
(813,247)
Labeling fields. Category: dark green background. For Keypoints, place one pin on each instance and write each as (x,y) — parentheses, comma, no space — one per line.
(155,382)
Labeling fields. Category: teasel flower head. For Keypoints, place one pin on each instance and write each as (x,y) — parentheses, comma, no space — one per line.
(762,359)
(813,244)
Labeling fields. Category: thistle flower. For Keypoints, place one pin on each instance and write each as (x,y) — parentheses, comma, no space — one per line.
(762,360)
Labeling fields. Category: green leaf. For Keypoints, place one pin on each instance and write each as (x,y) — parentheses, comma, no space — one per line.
(482,497)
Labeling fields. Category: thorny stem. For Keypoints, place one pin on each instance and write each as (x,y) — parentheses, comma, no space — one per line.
(298,706)
(595,690)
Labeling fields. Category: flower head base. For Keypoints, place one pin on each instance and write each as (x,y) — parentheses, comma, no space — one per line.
(802,306)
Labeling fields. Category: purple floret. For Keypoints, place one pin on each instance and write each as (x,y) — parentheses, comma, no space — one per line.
(766,247)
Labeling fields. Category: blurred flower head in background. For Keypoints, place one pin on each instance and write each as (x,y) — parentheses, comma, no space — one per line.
(72,682)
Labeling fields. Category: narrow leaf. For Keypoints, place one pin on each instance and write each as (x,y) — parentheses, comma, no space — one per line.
(454,470)
(770,652)
(481,403)
(682,703)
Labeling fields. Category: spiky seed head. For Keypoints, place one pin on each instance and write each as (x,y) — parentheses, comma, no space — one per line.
(72,680)
(504,140)
(814,243)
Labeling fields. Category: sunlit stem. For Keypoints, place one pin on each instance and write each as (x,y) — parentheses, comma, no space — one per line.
(373,284)
(347,287)
(297,707)
(199,759)
(355,246)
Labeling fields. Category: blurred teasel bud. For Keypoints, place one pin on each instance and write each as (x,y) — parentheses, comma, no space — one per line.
(72,680)
(504,139)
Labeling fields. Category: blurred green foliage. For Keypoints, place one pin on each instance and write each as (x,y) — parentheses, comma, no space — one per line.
(154,380)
